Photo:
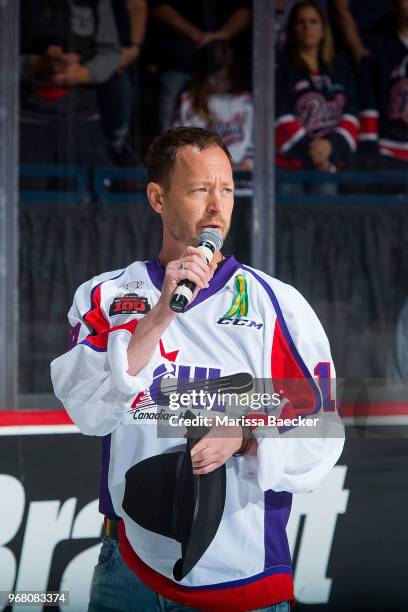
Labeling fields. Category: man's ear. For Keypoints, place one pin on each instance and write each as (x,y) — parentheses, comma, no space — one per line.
(155,193)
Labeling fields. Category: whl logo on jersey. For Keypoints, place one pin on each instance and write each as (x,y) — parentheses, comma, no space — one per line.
(239,307)
(170,378)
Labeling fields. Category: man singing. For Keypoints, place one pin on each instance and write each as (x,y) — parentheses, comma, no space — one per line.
(217,541)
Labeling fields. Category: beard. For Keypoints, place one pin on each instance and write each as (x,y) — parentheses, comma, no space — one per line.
(186,233)
(181,230)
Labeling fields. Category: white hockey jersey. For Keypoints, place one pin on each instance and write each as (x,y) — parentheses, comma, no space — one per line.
(232,120)
(245,321)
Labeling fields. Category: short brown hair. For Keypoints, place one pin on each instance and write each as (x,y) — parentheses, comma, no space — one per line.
(161,154)
(326,51)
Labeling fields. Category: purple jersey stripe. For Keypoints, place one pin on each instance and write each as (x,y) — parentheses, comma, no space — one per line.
(220,278)
(288,337)
(105,500)
(271,571)
(277,510)
(275,546)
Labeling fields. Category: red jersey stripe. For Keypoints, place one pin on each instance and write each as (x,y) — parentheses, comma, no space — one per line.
(257,594)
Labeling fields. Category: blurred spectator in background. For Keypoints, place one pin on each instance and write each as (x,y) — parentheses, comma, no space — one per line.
(187,25)
(68,48)
(118,95)
(216,102)
(354,23)
(316,124)
(282,12)
(384,94)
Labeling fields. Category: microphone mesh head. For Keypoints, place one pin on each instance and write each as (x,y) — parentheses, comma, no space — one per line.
(211,235)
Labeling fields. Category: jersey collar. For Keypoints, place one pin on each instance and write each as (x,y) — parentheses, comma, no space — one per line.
(220,278)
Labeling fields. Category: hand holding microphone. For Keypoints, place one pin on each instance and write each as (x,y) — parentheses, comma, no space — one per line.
(192,266)
(208,242)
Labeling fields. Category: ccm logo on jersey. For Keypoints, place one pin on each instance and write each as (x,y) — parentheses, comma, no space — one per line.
(129,304)
(239,322)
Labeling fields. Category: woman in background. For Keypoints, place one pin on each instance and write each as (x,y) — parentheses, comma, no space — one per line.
(316,122)
(215,101)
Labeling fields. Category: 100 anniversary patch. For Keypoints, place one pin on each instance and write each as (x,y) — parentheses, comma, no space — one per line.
(129,304)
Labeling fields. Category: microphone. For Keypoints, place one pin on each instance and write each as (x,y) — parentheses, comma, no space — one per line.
(209,241)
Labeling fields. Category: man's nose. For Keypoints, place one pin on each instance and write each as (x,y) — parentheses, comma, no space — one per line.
(215,202)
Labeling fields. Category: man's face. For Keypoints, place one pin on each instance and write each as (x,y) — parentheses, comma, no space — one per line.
(199,195)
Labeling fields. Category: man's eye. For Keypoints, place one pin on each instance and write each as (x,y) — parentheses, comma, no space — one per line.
(228,189)
(201,189)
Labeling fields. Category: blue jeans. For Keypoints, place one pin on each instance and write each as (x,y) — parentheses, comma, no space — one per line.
(115,588)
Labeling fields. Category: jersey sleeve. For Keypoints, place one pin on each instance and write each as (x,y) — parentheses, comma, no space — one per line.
(91,378)
(291,138)
(344,137)
(297,459)
(369,112)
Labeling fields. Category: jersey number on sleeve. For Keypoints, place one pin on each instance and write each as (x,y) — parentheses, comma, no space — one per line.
(322,371)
